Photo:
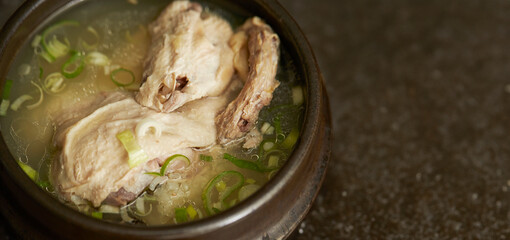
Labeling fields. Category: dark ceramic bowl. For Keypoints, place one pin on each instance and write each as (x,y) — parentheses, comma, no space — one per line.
(271,213)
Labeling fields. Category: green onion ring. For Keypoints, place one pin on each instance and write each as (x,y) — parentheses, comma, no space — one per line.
(181,215)
(206,193)
(54,48)
(167,162)
(112,76)
(76,63)
(264,160)
(241,163)
(206,158)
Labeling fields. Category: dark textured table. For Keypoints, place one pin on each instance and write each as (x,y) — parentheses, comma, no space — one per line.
(420,96)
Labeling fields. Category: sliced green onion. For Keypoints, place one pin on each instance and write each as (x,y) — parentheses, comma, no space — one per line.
(270,131)
(41,97)
(54,47)
(38,50)
(157,180)
(19,101)
(265,146)
(297,95)
(54,82)
(192,213)
(73,66)
(36,41)
(140,205)
(125,215)
(180,215)
(44,184)
(174,158)
(145,124)
(24,69)
(250,181)
(96,36)
(149,197)
(221,186)
(265,127)
(135,152)
(97,58)
(206,158)
(247,190)
(278,128)
(207,193)
(109,209)
(268,145)
(271,174)
(4,106)
(271,160)
(291,139)
(28,170)
(98,215)
(242,163)
(41,72)
(120,84)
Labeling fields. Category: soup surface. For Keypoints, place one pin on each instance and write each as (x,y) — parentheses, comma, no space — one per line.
(100,49)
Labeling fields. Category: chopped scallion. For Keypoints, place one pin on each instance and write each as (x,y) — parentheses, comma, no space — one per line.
(52,45)
(247,190)
(97,58)
(270,161)
(73,66)
(242,163)
(41,96)
(19,101)
(268,145)
(4,106)
(173,158)
(98,215)
(135,152)
(221,186)
(297,95)
(44,184)
(105,208)
(265,127)
(278,128)
(120,83)
(96,38)
(273,161)
(54,83)
(206,158)
(145,124)
(180,215)
(291,139)
(28,170)
(234,181)
(24,69)
(192,213)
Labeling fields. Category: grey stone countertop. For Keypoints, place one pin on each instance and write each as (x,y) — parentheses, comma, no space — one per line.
(420,103)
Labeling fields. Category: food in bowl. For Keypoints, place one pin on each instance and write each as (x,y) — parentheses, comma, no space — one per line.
(133,115)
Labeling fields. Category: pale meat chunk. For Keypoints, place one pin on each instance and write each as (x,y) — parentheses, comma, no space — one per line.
(94,164)
(189,57)
(261,60)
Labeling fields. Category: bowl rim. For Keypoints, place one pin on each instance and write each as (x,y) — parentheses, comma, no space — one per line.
(288,30)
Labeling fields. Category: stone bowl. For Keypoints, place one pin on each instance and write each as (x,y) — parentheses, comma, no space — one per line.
(273,212)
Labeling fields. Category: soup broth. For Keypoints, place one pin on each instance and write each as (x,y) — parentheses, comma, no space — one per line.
(111,39)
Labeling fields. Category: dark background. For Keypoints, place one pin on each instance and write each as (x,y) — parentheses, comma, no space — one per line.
(420,102)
